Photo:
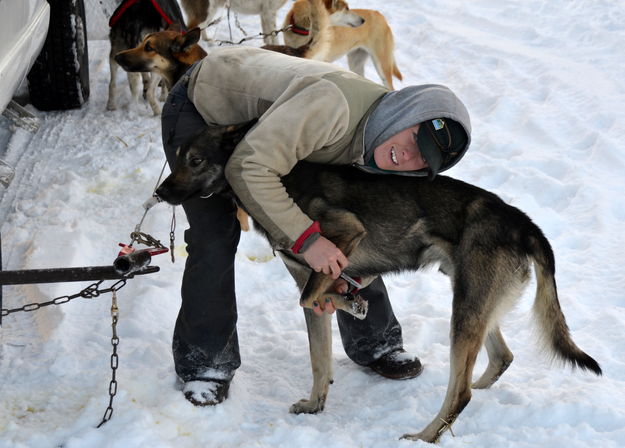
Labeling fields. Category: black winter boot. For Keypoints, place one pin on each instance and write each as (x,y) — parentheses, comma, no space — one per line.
(206,392)
(397,365)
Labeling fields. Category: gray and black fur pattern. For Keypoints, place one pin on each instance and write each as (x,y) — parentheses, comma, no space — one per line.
(390,223)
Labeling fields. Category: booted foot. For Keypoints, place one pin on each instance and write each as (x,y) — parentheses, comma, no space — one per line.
(206,392)
(397,365)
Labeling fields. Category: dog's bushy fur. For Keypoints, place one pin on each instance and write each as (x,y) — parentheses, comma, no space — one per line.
(394,223)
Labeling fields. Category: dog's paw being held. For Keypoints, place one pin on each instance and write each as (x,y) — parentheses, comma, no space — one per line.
(306,407)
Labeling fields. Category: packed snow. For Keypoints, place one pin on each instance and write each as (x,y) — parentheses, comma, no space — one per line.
(544,83)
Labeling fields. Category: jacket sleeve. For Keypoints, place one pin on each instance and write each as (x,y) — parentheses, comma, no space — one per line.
(310,114)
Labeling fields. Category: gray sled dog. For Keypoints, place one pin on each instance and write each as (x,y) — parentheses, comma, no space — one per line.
(396,223)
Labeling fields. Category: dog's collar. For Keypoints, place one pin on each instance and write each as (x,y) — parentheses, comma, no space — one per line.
(298,29)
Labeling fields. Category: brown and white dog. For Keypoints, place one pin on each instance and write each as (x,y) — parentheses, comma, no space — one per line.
(130,23)
(372,38)
(201,12)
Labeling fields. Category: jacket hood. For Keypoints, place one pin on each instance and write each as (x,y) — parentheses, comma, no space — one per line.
(401,109)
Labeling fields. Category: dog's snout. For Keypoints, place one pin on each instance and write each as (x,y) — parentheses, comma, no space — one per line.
(162,192)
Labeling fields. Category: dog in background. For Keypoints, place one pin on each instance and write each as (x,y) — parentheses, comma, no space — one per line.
(169,54)
(389,224)
(201,12)
(372,39)
(130,23)
(319,45)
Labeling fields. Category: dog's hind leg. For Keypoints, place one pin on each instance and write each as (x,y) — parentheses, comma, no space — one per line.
(196,11)
(466,340)
(268,24)
(499,359)
(356,60)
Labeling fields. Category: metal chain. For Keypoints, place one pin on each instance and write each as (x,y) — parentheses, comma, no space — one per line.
(146,239)
(114,360)
(256,36)
(237,23)
(172,235)
(89,292)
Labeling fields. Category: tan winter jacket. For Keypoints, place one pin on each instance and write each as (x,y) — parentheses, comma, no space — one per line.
(307,110)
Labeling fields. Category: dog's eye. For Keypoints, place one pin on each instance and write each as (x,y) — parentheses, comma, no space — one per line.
(148,47)
(196,161)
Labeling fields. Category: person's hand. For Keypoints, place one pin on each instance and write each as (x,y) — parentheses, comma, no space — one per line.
(324,256)
(339,286)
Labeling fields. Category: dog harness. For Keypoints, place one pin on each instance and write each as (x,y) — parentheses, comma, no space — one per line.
(123,7)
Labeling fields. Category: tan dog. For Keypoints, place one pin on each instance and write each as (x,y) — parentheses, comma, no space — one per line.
(373,38)
(319,45)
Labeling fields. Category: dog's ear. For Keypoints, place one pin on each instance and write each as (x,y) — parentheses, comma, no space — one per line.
(193,36)
(185,41)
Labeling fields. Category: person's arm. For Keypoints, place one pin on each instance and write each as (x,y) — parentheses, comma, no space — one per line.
(307,117)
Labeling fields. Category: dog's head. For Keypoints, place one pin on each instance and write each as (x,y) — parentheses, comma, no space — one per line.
(199,168)
(340,15)
(162,52)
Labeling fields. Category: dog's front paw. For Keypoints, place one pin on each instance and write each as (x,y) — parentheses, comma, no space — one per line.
(355,305)
(111,105)
(306,407)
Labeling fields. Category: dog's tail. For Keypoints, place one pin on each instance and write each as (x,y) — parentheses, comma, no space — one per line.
(319,44)
(555,332)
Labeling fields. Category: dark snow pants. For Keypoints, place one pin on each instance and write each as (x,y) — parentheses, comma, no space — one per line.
(205,343)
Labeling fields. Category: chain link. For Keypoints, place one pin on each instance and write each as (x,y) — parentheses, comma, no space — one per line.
(114,360)
(90,292)
(172,235)
(256,36)
(145,239)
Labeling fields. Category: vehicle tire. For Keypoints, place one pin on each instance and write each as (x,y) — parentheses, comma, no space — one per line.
(59,78)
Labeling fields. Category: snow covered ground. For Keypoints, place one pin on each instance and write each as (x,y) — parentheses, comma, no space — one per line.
(544,83)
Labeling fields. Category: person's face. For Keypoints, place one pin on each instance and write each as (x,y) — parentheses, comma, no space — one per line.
(400,152)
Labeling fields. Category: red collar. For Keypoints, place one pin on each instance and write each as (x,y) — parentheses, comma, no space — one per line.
(298,29)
